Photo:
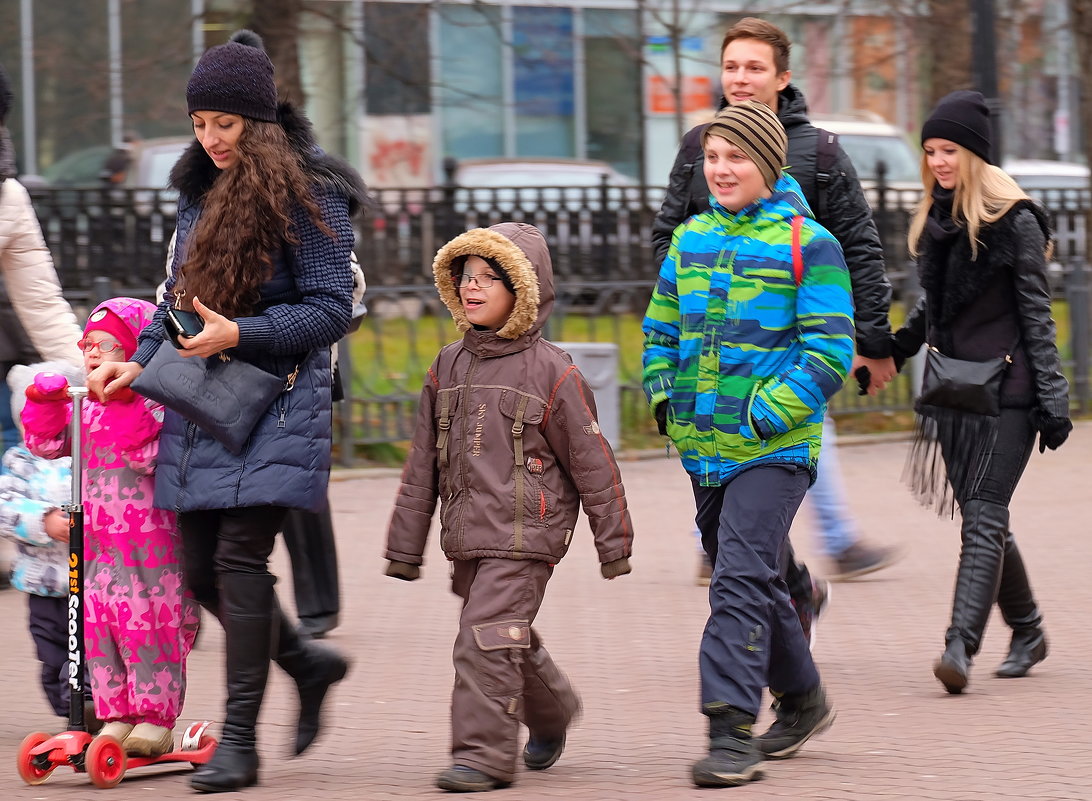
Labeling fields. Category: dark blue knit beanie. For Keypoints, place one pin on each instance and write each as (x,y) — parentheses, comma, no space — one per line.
(235,78)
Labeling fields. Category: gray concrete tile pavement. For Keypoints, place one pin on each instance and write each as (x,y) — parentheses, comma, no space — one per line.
(630,647)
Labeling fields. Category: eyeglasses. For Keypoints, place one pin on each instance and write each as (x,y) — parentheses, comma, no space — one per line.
(483,280)
(86,345)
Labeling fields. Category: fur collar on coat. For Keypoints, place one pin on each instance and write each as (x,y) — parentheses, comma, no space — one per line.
(194,172)
(952,280)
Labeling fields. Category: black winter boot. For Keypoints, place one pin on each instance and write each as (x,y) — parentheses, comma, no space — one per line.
(733,757)
(246,612)
(983,532)
(1021,613)
(315,669)
(799,718)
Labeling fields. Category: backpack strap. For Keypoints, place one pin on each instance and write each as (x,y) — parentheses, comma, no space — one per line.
(826,158)
(797,251)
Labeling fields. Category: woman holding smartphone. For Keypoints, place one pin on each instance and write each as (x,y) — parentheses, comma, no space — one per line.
(263,260)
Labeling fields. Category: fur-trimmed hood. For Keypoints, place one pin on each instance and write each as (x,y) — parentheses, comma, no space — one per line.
(521,250)
(195,172)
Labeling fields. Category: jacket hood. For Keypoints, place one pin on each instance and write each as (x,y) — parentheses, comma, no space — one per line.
(522,251)
(195,172)
(785,202)
(7,155)
(792,108)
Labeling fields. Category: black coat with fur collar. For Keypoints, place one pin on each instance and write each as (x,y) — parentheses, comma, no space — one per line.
(194,173)
(999,303)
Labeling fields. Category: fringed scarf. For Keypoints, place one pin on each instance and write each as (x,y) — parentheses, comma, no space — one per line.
(951,449)
(949,456)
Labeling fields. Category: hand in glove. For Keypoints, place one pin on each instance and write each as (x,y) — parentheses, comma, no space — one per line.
(1053,431)
(661,418)
(403,570)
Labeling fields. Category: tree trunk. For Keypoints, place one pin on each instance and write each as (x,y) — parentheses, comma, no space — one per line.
(947,44)
(278,23)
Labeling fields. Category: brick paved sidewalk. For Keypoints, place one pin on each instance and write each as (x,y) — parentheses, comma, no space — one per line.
(630,647)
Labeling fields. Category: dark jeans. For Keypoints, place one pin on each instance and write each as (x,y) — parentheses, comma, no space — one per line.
(1007,460)
(47,619)
(309,537)
(220,543)
(753,637)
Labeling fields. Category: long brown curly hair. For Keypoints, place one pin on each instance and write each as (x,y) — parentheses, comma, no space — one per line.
(245,222)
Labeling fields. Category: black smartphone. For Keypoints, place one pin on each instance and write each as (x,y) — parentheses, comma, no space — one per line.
(180,323)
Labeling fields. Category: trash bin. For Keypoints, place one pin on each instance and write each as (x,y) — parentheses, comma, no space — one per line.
(598,361)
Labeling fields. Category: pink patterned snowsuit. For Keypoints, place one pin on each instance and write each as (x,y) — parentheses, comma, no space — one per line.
(141,622)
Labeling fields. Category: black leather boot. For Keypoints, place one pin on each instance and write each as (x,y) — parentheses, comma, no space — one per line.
(246,610)
(983,533)
(315,669)
(1017,604)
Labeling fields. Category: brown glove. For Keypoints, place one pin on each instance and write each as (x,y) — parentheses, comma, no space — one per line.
(403,570)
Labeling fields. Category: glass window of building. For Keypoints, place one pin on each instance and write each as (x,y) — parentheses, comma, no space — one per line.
(543,80)
(470,87)
(612,88)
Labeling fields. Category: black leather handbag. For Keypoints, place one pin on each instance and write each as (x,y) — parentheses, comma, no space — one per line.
(223,397)
(961,385)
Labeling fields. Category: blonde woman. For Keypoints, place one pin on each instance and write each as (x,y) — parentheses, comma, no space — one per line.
(981,246)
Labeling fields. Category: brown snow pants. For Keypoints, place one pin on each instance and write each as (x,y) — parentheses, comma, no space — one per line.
(503,675)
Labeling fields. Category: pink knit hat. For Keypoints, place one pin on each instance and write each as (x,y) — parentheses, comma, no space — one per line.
(123,319)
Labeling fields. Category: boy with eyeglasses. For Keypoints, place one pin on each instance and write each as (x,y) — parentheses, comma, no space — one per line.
(507,439)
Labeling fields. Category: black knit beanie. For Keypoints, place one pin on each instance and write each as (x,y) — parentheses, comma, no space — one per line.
(235,78)
(964,118)
(755,129)
(6,98)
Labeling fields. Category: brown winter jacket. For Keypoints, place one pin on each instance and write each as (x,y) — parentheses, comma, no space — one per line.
(507,436)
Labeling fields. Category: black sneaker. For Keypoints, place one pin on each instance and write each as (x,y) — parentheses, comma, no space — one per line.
(799,718)
(461,779)
(860,559)
(731,762)
(541,754)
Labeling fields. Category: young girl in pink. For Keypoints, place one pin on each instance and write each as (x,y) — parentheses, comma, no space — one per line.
(140,622)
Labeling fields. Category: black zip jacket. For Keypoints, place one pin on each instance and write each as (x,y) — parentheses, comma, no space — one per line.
(980,309)
(847,216)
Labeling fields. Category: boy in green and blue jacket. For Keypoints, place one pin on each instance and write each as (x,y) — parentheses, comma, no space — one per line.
(748,334)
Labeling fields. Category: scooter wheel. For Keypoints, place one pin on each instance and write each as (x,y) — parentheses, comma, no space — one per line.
(29,770)
(105,762)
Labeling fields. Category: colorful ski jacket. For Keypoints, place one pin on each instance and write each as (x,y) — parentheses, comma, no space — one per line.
(30,487)
(744,356)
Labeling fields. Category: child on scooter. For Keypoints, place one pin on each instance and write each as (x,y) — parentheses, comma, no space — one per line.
(32,491)
(140,622)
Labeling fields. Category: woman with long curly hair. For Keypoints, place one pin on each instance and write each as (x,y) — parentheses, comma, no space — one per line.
(263,257)
(982,246)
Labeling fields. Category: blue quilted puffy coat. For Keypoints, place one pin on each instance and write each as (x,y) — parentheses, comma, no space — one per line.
(305,307)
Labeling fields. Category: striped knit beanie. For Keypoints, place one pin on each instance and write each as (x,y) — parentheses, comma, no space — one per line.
(235,78)
(756,130)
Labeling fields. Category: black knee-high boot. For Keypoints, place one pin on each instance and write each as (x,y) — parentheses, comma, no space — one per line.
(315,669)
(983,533)
(1017,604)
(246,609)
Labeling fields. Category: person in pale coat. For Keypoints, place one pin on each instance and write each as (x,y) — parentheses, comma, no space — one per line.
(30,288)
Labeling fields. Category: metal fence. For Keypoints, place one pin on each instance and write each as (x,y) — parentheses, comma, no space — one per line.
(113,241)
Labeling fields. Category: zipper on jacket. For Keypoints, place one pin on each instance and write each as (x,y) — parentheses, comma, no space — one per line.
(464,420)
(183,466)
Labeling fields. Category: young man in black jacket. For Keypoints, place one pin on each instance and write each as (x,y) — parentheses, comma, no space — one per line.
(755,66)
